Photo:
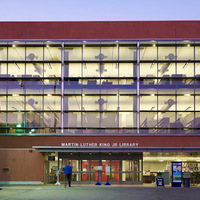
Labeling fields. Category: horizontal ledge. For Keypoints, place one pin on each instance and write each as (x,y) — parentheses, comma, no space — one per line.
(114,149)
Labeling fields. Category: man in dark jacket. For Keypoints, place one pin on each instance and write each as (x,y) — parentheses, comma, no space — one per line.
(68,173)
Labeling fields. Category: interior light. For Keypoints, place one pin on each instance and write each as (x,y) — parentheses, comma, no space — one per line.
(188,45)
(154,45)
(18,125)
(32,130)
(49,95)
(152,95)
(160,160)
(13,45)
(187,95)
(15,95)
(47,46)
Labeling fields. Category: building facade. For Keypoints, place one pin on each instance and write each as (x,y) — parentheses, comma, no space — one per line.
(123,97)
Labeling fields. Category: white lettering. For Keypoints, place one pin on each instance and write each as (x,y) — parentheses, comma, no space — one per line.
(104,144)
(99,144)
(69,144)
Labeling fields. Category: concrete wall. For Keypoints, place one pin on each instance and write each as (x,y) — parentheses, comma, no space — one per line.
(22,165)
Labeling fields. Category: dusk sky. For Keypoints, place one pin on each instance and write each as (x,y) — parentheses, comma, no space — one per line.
(101,10)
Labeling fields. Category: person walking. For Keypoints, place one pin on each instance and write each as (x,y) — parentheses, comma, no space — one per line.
(68,173)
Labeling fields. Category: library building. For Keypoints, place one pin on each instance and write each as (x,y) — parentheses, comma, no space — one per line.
(120,100)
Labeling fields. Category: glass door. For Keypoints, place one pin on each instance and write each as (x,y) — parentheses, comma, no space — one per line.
(94,172)
(75,171)
(115,169)
(105,170)
(132,171)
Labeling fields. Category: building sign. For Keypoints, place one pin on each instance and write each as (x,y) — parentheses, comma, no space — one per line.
(51,158)
(99,144)
(177,172)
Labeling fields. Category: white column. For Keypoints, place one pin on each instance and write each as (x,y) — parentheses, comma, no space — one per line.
(62,84)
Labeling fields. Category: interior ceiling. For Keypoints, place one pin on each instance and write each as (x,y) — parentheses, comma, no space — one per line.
(171,156)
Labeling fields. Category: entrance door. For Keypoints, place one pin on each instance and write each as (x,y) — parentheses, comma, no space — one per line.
(132,171)
(116,168)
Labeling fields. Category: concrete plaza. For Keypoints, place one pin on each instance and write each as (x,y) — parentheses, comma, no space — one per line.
(90,192)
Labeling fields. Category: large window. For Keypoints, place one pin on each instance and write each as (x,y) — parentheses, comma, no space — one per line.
(100,86)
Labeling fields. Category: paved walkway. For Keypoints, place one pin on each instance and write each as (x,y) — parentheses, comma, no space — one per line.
(90,192)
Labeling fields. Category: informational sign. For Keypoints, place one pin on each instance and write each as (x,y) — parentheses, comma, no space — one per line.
(107,170)
(51,158)
(177,172)
(160,181)
(98,168)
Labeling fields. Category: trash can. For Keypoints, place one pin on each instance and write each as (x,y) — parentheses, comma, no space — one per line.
(186,179)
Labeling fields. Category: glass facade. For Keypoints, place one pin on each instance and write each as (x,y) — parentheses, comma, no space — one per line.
(100,87)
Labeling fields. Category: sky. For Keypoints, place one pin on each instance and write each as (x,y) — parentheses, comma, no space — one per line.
(99,10)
